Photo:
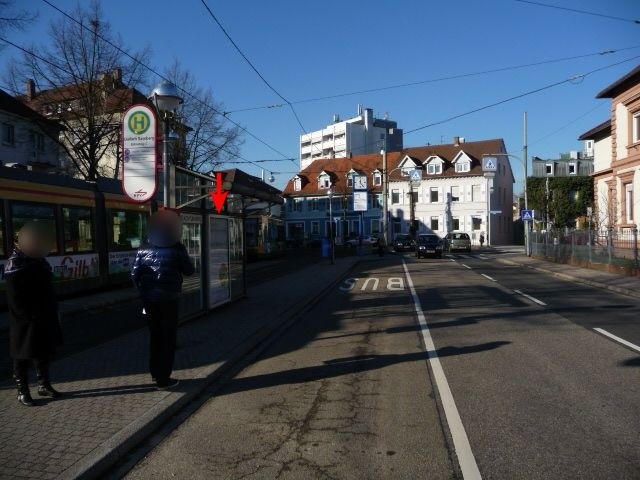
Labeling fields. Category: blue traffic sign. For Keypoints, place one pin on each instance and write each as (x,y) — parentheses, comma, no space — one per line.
(526,215)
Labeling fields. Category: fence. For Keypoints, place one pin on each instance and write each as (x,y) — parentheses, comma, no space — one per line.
(589,248)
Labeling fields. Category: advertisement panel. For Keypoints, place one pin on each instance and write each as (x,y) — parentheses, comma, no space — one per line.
(219,288)
(121,262)
(67,267)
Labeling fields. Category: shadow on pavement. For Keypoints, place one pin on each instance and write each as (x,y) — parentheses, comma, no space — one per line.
(344,366)
(632,362)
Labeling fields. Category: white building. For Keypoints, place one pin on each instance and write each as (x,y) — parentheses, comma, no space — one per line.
(27,138)
(359,135)
(452,195)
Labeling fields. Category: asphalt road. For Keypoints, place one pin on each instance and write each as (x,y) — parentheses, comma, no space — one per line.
(517,385)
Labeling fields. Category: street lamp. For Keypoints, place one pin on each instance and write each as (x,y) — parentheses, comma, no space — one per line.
(166,99)
(333,243)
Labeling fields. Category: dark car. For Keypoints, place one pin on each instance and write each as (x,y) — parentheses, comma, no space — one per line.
(403,242)
(429,245)
(458,241)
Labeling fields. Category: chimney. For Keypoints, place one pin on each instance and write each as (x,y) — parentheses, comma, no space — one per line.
(31,89)
(461,139)
(116,74)
(456,141)
(368,118)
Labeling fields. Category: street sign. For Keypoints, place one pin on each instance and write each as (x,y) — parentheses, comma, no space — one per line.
(489,164)
(415,175)
(495,212)
(139,153)
(360,201)
(526,215)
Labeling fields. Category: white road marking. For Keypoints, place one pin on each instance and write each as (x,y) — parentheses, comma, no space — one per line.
(615,338)
(461,444)
(483,257)
(533,299)
(466,266)
(487,276)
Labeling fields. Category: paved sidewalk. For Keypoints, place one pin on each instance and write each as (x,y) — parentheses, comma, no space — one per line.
(608,281)
(111,404)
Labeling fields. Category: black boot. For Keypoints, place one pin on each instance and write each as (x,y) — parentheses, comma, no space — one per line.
(44,383)
(21,376)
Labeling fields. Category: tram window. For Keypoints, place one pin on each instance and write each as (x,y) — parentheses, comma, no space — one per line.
(78,232)
(22,213)
(127,229)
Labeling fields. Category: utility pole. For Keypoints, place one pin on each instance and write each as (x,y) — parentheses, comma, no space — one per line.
(385,186)
(527,238)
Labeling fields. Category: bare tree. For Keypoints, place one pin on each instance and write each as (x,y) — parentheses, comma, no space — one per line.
(13,18)
(205,139)
(81,78)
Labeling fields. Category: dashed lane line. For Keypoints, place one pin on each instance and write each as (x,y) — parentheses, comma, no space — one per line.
(533,299)
(488,277)
(466,266)
(461,444)
(619,340)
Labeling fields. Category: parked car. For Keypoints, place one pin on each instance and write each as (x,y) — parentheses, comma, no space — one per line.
(458,241)
(429,245)
(403,242)
(368,240)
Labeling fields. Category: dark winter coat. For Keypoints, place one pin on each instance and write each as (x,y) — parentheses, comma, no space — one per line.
(158,271)
(34,328)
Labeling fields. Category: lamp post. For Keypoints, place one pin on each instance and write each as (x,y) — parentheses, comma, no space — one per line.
(333,243)
(166,99)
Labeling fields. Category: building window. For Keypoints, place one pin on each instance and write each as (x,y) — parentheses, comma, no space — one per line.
(375,226)
(433,195)
(350,180)
(573,169)
(636,127)
(395,197)
(455,223)
(297,204)
(8,134)
(455,194)
(315,228)
(434,224)
(377,179)
(475,193)
(548,169)
(434,168)
(462,167)
(313,204)
(38,142)
(297,184)
(397,226)
(324,182)
(476,223)
(628,188)
(376,201)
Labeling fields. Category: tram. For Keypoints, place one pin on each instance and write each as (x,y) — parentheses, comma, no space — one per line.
(97,228)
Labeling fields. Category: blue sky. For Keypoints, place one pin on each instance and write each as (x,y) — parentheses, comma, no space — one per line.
(313,49)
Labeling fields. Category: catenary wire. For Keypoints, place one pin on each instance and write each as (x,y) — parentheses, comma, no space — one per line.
(439,79)
(585,12)
(253,67)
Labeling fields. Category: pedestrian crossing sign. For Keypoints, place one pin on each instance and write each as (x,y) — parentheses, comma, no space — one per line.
(526,215)
(489,164)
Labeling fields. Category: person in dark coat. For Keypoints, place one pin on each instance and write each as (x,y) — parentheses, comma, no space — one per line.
(34,328)
(157,273)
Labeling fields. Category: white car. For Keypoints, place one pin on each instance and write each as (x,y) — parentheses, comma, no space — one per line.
(368,240)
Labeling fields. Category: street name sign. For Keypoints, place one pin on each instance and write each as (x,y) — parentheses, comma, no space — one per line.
(526,215)
(139,140)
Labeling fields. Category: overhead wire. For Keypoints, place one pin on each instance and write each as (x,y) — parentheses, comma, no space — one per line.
(163,77)
(585,12)
(438,79)
(253,67)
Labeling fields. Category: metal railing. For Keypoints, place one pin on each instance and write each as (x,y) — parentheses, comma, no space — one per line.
(607,247)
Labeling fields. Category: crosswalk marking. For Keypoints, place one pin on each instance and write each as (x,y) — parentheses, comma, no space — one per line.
(477,256)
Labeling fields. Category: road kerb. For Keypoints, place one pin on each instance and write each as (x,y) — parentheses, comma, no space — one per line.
(112,450)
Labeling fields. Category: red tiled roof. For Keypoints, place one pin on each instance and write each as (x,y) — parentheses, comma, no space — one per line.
(338,168)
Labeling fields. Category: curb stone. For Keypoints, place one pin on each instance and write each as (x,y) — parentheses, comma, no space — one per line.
(112,450)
